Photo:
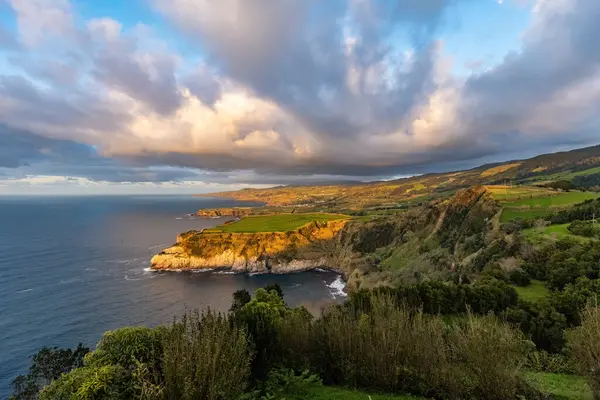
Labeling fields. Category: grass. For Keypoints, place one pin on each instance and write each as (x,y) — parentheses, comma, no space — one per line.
(553,232)
(563,386)
(336,393)
(534,292)
(565,175)
(507,193)
(510,214)
(538,203)
(275,223)
(558,199)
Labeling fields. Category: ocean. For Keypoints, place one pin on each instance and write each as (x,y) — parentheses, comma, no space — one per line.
(74,267)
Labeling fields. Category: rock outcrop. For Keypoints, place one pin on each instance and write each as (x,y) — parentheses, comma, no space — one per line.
(264,252)
(224,212)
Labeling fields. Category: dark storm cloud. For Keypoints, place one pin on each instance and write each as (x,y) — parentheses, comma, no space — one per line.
(19,148)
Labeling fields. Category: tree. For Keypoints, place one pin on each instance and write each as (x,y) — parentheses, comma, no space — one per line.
(275,287)
(240,299)
(47,366)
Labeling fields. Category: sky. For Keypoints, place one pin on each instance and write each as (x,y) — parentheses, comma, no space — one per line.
(194,96)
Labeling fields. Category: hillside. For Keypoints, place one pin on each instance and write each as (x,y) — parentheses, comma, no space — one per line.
(577,165)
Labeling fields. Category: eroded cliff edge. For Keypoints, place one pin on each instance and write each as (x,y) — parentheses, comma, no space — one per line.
(264,252)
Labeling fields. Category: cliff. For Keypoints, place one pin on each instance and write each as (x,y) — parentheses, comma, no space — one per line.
(224,212)
(263,252)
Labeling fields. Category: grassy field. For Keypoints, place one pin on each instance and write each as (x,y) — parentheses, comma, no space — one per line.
(510,214)
(335,393)
(557,199)
(562,386)
(504,193)
(275,223)
(533,203)
(553,232)
(535,291)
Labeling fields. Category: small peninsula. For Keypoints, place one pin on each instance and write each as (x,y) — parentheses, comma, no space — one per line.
(277,244)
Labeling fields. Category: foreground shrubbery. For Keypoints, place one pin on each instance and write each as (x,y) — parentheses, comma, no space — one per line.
(376,341)
(584,343)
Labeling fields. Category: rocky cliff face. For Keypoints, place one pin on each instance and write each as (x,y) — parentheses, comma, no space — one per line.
(264,252)
(224,212)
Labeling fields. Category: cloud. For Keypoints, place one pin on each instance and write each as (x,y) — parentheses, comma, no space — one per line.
(286,91)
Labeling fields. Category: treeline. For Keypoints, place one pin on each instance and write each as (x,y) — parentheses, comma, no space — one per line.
(439,340)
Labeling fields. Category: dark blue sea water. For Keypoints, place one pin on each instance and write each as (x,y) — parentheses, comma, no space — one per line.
(74,267)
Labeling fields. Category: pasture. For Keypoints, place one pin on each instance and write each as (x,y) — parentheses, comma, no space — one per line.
(274,223)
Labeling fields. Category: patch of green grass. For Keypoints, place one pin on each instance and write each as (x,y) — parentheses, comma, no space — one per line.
(336,393)
(534,292)
(275,223)
(559,199)
(538,236)
(535,206)
(566,386)
(509,193)
(403,255)
(510,214)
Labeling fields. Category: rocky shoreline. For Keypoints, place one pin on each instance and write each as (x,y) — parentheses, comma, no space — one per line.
(264,253)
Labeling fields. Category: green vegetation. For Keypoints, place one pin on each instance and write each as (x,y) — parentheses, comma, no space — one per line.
(540,236)
(585,347)
(542,206)
(535,291)
(557,199)
(566,175)
(560,385)
(392,340)
(336,393)
(275,223)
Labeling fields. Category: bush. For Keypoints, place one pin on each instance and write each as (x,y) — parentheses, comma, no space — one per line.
(584,345)
(47,366)
(127,347)
(519,277)
(206,357)
(109,382)
(395,349)
(542,361)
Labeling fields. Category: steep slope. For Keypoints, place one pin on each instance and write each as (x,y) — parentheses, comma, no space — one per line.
(262,252)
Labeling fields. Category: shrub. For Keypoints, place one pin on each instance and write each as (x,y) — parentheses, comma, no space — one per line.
(47,366)
(582,228)
(487,355)
(520,277)
(396,349)
(127,347)
(584,344)
(542,361)
(109,382)
(262,317)
(206,357)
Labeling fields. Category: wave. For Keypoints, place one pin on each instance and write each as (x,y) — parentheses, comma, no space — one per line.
(24,290)
(320,270)
(337,288)
(128,261)
(226,273)
(178,218)
(148,269)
